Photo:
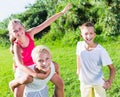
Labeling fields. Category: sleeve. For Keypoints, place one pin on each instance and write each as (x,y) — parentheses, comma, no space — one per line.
(106,60)
(78,48)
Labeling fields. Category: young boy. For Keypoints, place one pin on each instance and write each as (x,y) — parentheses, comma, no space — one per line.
(43,64)
(90,59)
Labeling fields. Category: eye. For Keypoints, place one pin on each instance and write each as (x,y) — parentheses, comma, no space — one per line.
(15,31)
(47,58)
(86,33)
(40,60)
(91,33)
(20,29)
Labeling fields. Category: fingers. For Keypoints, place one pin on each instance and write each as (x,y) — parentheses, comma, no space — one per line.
(66,8)
(107,85)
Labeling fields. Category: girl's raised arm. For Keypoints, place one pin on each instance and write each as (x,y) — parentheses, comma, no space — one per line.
(46,23)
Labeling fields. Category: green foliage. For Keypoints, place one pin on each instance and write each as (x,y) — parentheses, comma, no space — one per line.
(3,25)
(71,38)
(103,13)
(52,36)
(4,39)
(114,18)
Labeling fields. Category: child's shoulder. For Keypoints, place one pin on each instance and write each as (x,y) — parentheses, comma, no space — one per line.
(80,43)
(100,46)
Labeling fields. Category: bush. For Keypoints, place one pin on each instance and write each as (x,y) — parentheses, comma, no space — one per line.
(4,38)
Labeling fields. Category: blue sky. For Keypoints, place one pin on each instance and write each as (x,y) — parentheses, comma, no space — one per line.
(8,7)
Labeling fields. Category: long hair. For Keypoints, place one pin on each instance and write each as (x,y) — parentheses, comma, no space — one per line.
(11,37)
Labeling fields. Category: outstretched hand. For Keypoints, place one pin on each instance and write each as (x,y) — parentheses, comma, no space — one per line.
(66,8)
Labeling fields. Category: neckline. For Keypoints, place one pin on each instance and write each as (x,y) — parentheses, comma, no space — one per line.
(90,48)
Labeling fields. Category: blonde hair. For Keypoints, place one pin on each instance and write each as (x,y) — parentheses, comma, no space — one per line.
(37,50)
(11,37)
(14,22)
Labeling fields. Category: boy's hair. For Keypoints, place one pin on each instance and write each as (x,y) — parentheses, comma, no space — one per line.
(37,50)
(87,24)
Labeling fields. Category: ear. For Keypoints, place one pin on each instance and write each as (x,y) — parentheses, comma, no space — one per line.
(81,35)
(95,33)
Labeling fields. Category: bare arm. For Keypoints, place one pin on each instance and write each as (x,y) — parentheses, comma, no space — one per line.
(46,23)
(108,82)
(59,85)
(42,74)
(57,80)
(18,61)
(78,65)
(112,72)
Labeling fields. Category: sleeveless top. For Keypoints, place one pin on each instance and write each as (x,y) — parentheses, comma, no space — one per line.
(39,84)
(26,51)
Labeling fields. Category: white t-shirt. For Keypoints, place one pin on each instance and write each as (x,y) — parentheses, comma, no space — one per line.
(91,63)
(39,84)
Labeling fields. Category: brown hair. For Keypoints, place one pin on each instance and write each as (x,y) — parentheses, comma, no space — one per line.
(87,24)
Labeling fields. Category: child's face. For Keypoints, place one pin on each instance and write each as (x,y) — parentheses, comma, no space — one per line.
(43,61)
(17,30)
(88,34)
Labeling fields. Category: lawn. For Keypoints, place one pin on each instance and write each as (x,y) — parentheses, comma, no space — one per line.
(66,58)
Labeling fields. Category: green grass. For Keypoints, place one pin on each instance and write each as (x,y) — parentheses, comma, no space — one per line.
(6,73)
(66,58)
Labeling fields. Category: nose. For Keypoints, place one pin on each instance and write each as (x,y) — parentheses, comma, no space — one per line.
(44,63)
(88,36)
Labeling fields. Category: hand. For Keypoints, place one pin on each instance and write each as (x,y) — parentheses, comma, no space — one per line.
(66,8)
(11,85)
(107,85)
(43,75)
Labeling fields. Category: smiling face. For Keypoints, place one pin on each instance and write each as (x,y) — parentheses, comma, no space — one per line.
(43,61)
(88,33)
(42,58)
(16,29)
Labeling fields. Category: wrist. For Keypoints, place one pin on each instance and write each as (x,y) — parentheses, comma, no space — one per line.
(110,81)
(35,75)
(62,12)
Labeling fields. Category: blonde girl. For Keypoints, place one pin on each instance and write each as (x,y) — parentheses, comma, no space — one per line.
(22,41)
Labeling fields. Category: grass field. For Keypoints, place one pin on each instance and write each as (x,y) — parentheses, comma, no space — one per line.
(66,58)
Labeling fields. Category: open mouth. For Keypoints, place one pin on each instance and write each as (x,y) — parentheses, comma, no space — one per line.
(89,39)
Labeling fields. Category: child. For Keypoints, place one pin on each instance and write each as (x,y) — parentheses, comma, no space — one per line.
(22,44)
(44,65)
(90,59)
